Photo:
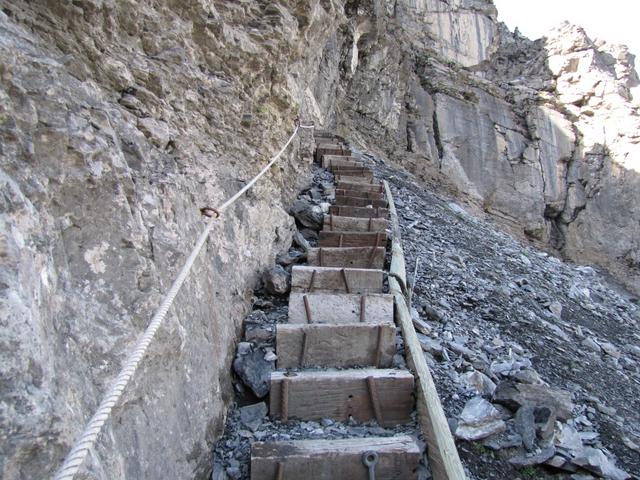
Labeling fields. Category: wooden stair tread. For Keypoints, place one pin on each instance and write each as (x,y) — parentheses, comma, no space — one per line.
(355,179)
(354,224)
(385,395)
(341,459)
(332,238)
(347,257)
(335,346)
(357,194)
(340,308)
(329,160)
(347,201)
(332,279)
(360,187)
(363,212)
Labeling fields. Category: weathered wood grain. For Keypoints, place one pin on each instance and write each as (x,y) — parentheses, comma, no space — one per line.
(335,280)
(355,193)
(335,346)
(360,187)
(340,394)
(329,161)
(355,179)
(331,149)
(352,239)
(354,224)
(345,201)
(353,172)
(398,459)
(347,257)
(363,212)
(340,308)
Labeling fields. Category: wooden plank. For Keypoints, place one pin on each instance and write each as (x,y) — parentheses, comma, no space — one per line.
(335,280)
(352,239)
(443,456)
(353,172)
(340,160)
(363,394)
(347,257)
(331,149)
(398,458)
(335,346)
(355,193)
(363,212)
(340,308)
(355,179)
(345,201)
(334,223)
(360,187)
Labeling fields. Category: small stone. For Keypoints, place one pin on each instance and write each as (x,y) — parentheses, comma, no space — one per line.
(479,419)
(277,280)
(596,461)
(514,395)
(556,308)
(234,473)
(244,348)
(254,371)
(533,459)
(591,344)
(308,215)
(482,384)
(610,349)
(270,356)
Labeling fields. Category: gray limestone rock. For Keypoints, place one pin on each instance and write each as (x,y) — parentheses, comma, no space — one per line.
(277,280)
(478,420)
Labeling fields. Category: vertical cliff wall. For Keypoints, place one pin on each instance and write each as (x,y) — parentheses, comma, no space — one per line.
(119,120)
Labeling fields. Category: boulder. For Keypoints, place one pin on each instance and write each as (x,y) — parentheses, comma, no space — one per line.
(254,371)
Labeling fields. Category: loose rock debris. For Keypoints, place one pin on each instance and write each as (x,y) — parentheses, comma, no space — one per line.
(537,361)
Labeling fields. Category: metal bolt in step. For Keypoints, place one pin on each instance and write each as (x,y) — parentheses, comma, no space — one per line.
(370,460)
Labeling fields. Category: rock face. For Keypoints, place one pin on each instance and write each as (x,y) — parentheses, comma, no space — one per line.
(119,120)
(542,135)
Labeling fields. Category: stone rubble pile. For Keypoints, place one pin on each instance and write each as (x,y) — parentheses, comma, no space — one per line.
(536,360)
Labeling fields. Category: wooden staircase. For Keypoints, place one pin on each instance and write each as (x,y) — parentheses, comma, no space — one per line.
(336,352)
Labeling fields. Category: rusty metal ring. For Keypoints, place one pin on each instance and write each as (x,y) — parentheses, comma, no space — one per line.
(209,212)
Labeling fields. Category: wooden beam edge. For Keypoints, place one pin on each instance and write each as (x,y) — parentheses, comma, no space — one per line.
(443,455)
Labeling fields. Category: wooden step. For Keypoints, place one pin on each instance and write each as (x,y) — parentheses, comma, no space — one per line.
(335,346)
(355,193)
(335,280)
(363,212)
(331,149)
(360,187)
(335,223)
(398,459)
(340,308)
(364,394)
(339,177)
(342,200)
(347,257)
(352,172)
(329,161)
(352,239)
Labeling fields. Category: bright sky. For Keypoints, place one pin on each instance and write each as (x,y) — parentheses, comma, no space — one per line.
(615,21)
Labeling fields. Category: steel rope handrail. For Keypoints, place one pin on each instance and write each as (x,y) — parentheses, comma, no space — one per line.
(78,453)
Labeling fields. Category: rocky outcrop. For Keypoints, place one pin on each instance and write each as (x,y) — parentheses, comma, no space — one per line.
(542,135)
